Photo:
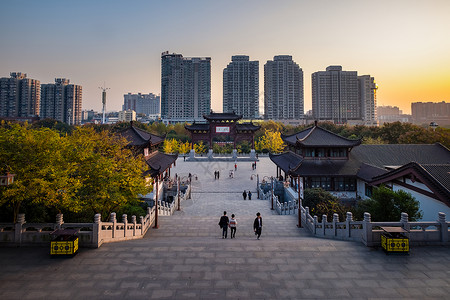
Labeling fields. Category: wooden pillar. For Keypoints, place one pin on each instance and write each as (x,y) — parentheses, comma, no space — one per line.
(156,203)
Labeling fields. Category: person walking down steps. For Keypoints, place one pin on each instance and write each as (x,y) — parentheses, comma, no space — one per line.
(244,195)
(232,225)
(257,225)
(223,223)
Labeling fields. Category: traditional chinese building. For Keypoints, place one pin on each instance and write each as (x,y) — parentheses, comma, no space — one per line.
(222,128)
(146,143)
(349,170)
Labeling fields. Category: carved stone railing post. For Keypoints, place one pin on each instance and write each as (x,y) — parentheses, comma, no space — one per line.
(335,221)
(404,221)
(20,220)
(133,220)
(125,224)
(142,224)
(348,232)
(444,227)
(114,221)
(59,221)
(96,230)
(367,230)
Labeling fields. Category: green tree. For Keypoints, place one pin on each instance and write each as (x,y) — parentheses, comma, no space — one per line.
(36,157)
(321,202)
(387,205)
(110,175)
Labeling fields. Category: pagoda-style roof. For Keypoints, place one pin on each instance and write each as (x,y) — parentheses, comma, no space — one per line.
(197,126)
(247,126)
(287,161)
(318,137)
(138,137)
(435,176)
(159,162)
(231,116)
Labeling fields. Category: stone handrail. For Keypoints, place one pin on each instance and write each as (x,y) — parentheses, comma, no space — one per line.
(368,232)
(91,235)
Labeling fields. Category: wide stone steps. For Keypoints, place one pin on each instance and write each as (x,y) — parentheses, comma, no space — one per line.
(179,226)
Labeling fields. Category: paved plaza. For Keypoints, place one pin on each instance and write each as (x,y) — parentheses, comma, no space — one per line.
(186,258)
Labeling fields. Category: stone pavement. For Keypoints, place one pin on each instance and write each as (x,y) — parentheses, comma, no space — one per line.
(187,258)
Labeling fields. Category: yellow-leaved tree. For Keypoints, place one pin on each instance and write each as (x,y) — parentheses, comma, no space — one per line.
(184,148)
(170,146)
(270,141)
(200,147)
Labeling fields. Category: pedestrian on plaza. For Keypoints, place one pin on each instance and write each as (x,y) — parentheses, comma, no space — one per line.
(232,225)
(253,166)
(257,225)
(235,166)
(218,174)
(184,158)
(244,195)
(215,175)
(249,195)
(223,223)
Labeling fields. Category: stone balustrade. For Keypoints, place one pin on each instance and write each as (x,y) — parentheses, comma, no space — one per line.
(91,235)
(365,231)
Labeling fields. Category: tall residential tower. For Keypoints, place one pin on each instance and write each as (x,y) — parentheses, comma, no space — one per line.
(61,101)
(185,87)
(368,98)
(283,89)
(19,96)
(335,95)
(241,87)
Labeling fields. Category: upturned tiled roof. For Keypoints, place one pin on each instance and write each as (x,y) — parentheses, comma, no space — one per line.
(138,137)
(318,137)
(159,162)
(287,161)
(223,116)
(197,126)
(435,176)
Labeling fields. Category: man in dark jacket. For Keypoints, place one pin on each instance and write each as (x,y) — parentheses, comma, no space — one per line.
(223,223)
(257,225)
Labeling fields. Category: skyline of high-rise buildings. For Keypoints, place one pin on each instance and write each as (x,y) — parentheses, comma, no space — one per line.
(283,89)
(185,87)
(241,87)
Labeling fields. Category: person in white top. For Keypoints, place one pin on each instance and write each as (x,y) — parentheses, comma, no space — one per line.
(232,225)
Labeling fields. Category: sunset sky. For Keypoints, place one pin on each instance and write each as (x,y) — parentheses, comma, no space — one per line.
(404,44)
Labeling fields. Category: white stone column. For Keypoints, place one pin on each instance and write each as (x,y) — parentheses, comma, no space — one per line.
(444,227)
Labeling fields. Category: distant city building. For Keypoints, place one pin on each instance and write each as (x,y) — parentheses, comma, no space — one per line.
(185,87)
(61,101)
(368,99)
(390,114)
(283,89)
(127,115)
(427,112)
(147,104)
(19,96)
(87,115)
(335,95)
(241,87)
